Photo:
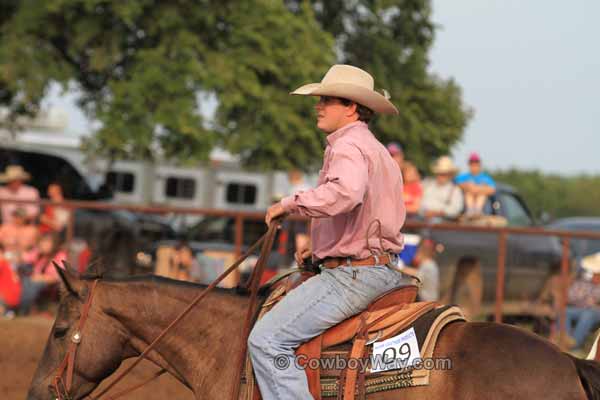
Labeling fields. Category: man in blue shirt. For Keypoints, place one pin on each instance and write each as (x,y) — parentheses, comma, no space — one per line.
(476,185)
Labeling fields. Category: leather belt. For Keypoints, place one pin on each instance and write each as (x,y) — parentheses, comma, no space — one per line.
(334,262)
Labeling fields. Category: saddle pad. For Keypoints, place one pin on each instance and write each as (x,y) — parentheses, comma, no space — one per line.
(427,329)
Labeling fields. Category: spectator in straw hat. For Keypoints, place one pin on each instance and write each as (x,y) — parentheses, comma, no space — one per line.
(15,189)
(583,304)
(477,186)
(442,198)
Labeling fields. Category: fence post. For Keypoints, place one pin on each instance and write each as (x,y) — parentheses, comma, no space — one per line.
(70,234)
(564,280)
(500,276)
(239,235)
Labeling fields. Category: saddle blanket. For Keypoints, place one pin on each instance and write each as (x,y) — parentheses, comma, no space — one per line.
(425,332)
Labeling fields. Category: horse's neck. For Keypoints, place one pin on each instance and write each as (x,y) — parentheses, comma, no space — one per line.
(201,346)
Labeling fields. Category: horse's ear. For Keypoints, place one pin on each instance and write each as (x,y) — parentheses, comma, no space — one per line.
(70,280)
(95,269)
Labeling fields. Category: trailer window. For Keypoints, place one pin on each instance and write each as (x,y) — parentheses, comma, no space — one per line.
(123,182)
(240,193)
(180,188)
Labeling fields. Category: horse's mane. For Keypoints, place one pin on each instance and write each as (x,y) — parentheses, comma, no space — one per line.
(97,270)
(163,281)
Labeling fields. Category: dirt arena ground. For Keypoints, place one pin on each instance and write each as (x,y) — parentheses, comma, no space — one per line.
(22,341)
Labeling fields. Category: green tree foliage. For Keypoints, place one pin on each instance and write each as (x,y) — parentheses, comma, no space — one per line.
(559,196)
(8,95)
(146,68)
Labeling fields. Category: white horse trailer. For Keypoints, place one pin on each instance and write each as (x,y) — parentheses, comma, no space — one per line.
(221,183)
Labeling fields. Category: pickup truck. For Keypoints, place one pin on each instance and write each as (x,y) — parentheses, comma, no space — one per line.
(530,259)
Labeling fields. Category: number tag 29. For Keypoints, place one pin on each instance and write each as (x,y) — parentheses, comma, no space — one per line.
(397,352)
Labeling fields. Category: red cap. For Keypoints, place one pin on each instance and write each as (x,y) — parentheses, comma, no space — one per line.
(474,157)
(394,148)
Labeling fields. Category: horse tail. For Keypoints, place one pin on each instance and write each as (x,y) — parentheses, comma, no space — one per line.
(589,374)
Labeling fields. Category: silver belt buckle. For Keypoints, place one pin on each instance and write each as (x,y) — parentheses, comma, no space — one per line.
(376,259)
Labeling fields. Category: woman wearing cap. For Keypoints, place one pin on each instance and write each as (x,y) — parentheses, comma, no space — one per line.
(442,198)
(359,185)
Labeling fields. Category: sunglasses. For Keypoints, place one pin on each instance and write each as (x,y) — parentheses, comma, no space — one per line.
(324,100)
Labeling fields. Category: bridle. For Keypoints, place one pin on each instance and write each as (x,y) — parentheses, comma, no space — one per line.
(62,386)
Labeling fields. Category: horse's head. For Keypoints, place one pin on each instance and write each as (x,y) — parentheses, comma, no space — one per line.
(98,353)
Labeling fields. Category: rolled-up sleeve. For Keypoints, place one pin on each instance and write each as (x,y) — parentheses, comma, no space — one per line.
(344,186)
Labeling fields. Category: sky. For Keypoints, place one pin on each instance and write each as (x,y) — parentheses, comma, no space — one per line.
(530,71)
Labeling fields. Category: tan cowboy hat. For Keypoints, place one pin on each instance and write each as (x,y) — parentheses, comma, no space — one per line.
(350,83)
(591,263)
(444,165)
(13,173)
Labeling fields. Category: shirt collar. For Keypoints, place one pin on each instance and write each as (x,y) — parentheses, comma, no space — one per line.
(333,136)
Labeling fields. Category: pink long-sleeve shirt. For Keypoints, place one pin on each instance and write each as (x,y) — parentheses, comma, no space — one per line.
(359,183)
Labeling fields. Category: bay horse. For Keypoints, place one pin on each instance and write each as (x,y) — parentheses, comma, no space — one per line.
(489,361)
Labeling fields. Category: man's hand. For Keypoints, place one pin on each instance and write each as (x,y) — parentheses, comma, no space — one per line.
(276,210)
(468,187)
(302,254)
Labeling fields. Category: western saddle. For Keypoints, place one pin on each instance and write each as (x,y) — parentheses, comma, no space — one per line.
(385,317)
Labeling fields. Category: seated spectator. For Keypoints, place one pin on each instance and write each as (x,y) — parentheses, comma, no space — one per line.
(442,198)
(10,287)
(43,274)
(413,191)
(15,189)
(476,185)
(583,302)
(184,265)
(19,238)
(397,153)
(54,218)
(426,269)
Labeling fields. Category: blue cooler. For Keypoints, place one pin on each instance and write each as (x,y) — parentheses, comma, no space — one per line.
(411,244)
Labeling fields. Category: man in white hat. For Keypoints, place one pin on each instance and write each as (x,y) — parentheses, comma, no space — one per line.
(583,309)
(359,186)
(15,189)
(442,198)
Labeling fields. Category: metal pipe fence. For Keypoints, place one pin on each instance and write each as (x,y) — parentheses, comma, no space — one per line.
(240,216)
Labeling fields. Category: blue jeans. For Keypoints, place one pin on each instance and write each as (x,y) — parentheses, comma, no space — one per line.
(316,305)
(580,322)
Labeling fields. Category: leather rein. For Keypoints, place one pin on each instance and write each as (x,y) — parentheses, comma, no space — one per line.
(62,386)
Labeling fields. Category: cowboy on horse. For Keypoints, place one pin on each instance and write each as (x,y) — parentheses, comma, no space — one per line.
(359,184)
(102,321)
